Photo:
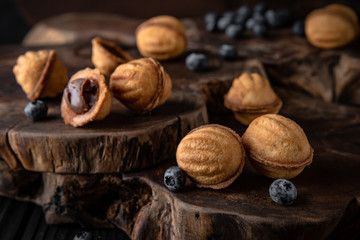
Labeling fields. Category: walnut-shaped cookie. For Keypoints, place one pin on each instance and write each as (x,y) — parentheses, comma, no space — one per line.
(40,74)
(162,37)
(277,146)
(251,96)
(212,156)
(332,26)
(86,98)
(106,55)
(141,85)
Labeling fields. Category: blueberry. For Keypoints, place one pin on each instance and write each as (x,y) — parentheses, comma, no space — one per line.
(283,192)
(83,236)
(257,15)
(278,19)
(238,19)
(259,19)
(260,7)
(260,30)
(210,20)
(196,62)
(234,31)
(211,17)
(227,52)
(223,22)
(250,23)
(36,110)
(255,20)
(298,28)
(272,19)
(211,26)
(174,178)
(229,14)
(244,11)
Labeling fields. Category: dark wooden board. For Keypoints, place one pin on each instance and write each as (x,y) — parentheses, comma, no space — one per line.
(328,204)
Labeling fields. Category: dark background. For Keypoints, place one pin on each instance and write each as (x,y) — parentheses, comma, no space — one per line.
(18,16)
(12,25)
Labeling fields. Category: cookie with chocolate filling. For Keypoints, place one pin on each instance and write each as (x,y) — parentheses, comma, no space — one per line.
(86,98)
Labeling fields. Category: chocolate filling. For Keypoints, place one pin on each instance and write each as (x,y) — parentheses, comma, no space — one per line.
(81,94)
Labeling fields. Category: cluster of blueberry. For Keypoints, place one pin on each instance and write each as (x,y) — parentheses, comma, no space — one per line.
(257,20)
(281,191)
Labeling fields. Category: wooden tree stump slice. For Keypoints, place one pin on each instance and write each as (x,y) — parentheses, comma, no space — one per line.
(122,142)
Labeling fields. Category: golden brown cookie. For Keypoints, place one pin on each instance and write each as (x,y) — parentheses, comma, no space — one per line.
(277,146)
(251,96)
(40,74)
(161,37)
(106,55)
(141,85)
(332,26)
(86,98)
(212,156)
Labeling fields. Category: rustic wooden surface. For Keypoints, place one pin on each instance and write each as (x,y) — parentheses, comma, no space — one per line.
(328,204)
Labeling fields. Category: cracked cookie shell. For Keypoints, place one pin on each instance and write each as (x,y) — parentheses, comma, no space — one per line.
(211,155)
(40,74)
(106,55)
(277,146)
(251,96)
(332,26)
(162,37)
(86,98)
(141,85)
